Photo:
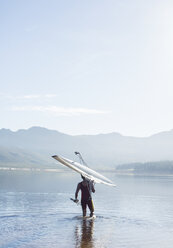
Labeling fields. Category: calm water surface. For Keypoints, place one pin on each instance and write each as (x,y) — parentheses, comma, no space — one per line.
(36,212)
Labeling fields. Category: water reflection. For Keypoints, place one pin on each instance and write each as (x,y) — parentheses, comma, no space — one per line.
(84,234)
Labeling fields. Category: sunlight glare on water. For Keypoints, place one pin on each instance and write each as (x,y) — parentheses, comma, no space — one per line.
(138,213)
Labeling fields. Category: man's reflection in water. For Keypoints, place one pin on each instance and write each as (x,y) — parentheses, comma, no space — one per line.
(84,234)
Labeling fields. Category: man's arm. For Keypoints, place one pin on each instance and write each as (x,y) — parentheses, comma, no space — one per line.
(92,187)
(77,191)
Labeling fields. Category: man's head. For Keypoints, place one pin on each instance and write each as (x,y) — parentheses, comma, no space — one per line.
(83,177)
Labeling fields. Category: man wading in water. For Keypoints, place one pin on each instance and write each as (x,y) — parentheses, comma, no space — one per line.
(86,187)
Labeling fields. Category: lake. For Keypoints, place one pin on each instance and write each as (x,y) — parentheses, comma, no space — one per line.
(36,212)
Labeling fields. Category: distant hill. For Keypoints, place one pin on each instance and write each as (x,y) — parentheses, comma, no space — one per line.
(36,145)
(162,167)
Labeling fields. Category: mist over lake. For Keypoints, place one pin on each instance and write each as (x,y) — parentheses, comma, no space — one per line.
(36,211)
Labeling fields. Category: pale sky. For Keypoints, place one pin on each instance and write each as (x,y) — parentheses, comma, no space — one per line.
(87,67)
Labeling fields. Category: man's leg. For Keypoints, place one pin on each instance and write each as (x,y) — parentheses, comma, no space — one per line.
(83,203)
(91,207)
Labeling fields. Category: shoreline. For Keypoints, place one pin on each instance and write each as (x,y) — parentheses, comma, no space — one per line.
(30,169)
(47,170)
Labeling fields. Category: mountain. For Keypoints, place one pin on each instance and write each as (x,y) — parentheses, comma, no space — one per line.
(160,168)
(36,145)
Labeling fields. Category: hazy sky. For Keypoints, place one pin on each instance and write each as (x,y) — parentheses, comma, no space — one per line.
(87,67)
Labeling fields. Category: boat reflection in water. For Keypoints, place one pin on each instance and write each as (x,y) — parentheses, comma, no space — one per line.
(84,234)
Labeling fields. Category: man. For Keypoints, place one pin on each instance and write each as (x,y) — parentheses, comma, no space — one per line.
(86,187)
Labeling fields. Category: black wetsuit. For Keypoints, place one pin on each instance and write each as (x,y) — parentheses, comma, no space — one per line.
(86,198)
(86,188)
